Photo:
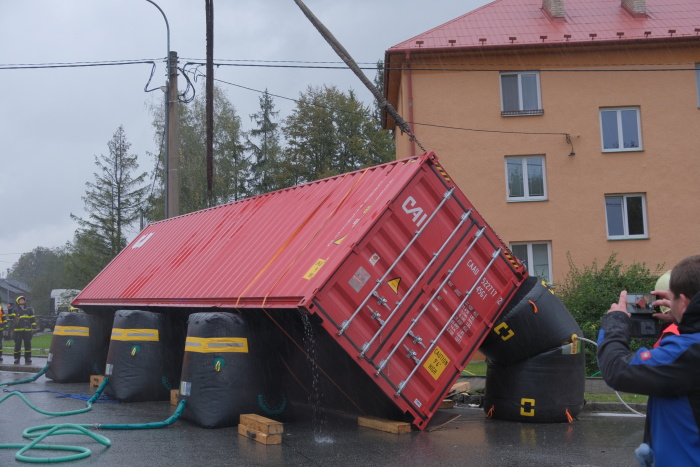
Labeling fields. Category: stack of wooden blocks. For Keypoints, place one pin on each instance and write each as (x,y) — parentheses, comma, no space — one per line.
(261,429)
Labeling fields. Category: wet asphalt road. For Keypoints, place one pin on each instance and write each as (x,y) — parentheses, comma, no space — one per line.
(595,439)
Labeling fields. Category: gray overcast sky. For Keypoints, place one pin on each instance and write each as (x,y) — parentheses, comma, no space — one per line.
(54,121)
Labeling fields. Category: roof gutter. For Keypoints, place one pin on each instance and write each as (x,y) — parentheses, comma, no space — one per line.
(544,45)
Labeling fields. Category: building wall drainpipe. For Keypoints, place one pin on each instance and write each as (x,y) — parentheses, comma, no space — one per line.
(409,85)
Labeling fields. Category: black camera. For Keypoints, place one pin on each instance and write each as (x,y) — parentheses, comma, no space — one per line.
(640,308)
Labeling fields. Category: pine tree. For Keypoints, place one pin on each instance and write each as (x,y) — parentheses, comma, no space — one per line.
(113,200)
(263,143)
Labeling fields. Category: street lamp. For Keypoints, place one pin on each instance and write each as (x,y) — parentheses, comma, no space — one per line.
(171,134)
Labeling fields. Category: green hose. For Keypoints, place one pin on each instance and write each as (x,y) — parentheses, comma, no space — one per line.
(87,408)
(28,380)
(41,432)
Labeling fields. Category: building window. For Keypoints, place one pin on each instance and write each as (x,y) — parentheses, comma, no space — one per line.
(625,216)
(620,129)
(537,257)
(525,178)
(520,94)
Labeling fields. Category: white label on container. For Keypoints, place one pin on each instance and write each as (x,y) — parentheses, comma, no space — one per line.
(373,259)
(108,369)
(48,360)
(417,403)
(185,388)
(359,279)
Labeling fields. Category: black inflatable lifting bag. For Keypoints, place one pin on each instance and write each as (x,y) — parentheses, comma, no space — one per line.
(220,386)
(532,323)
(545,388)
(140,370)
(76,356)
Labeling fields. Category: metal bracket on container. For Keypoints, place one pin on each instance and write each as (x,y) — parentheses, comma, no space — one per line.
(412,354)
(347,323)
(418,280)
(442,331)
(416,339)
(435,294)
(376,315)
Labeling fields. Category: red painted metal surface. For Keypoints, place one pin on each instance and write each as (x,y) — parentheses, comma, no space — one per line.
(406,275)
(494,24)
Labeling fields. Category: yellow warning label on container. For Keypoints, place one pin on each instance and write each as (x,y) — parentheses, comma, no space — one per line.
(71,331)
(315,268)
(340,240)
(134,334)
(394,284)
(216,344)
(436,363)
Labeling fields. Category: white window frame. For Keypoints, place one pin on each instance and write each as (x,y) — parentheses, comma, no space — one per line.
(526,180)
(520,111)
(620,136)
(529,261)
(625,218)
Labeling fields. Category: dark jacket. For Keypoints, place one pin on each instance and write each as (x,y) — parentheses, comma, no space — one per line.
(23,318)
(668,374)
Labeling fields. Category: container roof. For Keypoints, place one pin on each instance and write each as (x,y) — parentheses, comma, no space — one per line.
(508,23)
(273,250)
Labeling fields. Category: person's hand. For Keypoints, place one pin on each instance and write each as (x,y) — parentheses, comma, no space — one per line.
(620,305)
(664,301)
(665,317)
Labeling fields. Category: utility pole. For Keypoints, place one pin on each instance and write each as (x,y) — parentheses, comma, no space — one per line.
(172,187)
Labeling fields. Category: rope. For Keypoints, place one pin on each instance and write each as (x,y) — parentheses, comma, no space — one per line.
(314,362)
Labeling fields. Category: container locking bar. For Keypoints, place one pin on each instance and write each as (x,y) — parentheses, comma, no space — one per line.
(478,235)
(445,197)
(436,255)
(433,342)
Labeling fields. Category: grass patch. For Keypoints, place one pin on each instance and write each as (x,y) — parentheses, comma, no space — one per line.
(475,369)
(38,342)
(629,398)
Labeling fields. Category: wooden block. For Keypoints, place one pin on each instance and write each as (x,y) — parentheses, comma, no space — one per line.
(259,436)
(464,386)
(262,424)
(382,424)
(174,399)
(447,404)
(96,380)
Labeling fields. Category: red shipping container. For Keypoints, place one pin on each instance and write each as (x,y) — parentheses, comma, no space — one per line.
(407,277)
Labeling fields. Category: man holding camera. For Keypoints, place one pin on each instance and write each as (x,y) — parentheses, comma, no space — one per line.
(668,374)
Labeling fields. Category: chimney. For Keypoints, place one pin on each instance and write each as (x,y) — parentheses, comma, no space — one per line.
(636,7)
(556,7)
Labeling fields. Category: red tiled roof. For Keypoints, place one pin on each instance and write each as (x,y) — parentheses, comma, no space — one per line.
(527,21)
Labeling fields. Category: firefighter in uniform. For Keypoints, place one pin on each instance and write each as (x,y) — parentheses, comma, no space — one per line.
(3,321)
(25,324)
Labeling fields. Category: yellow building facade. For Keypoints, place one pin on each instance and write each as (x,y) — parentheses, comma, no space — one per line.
(569,148)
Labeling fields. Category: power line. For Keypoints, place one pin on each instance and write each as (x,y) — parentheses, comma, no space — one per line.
(311,65)
(34,66)
(414,123)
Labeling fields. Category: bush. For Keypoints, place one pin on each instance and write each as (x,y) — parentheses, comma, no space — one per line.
(588,293)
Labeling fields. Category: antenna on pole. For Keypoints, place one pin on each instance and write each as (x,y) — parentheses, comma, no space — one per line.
(345,56)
